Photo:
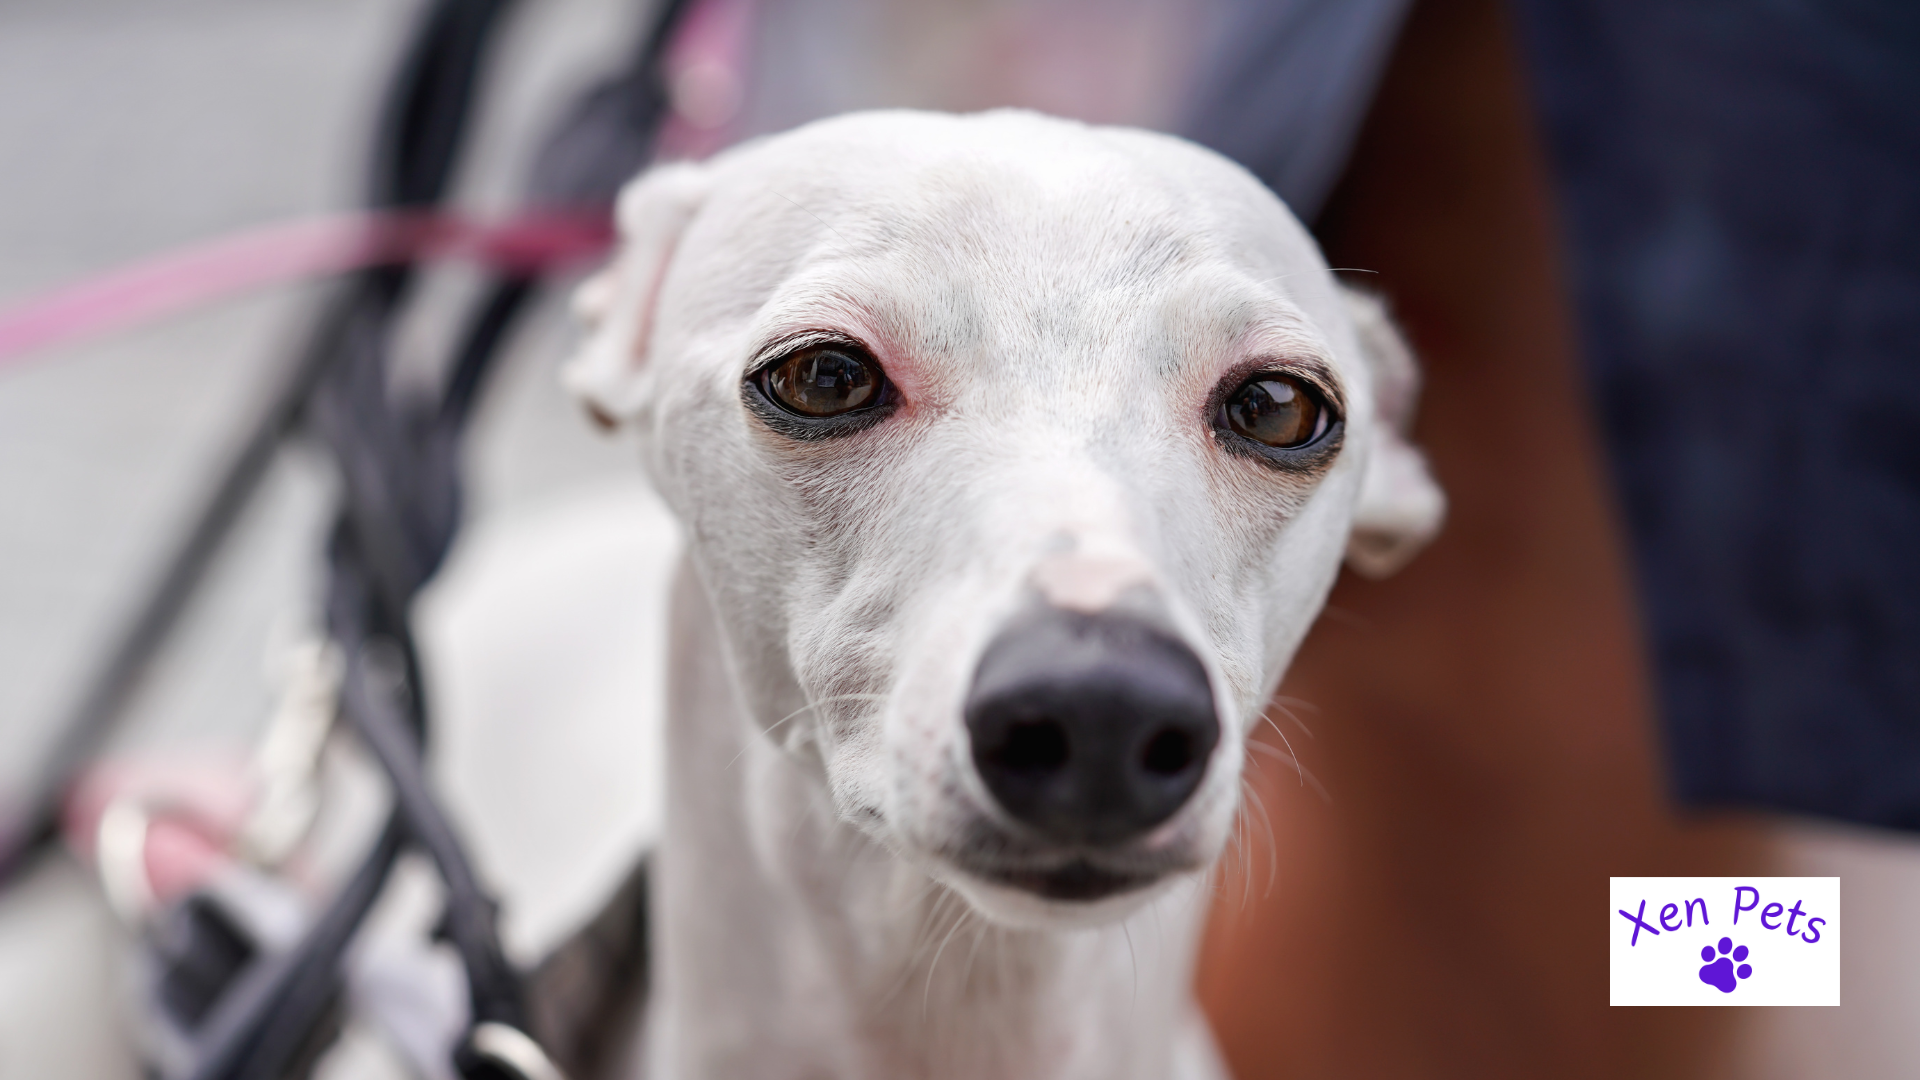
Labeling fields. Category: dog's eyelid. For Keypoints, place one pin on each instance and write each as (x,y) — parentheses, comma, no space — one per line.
(1313,371)
(786,345)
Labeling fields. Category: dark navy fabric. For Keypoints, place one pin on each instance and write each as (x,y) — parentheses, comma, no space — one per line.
(1283,86)
(1740,182)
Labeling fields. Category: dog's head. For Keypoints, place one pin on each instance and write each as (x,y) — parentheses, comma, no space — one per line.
(1016,457)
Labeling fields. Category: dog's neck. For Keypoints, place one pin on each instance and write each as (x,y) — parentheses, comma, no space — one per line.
(788,944)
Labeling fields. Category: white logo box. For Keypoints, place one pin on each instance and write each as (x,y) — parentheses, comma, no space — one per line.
(1783,931)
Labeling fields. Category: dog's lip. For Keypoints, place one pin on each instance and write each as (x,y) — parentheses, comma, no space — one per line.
(1078,879)
(1075,874)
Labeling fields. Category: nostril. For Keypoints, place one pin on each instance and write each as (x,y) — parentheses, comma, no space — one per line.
(1091,729)
(1033,746)
(1168,753)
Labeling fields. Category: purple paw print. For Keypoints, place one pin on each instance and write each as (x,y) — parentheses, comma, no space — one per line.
(1721,974)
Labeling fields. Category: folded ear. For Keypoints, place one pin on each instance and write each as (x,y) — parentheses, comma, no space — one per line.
(1400,506)
(608,372)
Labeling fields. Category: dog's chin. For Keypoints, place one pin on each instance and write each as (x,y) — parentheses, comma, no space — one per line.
(1076,894)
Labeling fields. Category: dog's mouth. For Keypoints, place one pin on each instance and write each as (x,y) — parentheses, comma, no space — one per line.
(1075,874)
(1080,880)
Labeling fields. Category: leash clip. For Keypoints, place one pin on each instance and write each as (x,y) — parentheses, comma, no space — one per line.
(495,1051)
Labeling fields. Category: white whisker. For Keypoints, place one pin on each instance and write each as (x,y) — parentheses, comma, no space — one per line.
(927,993)
(802,711)
(1306,775)
(980,931)
(818,218)
(1295,758)
(1286,705)
(1330,269)
(1266,826)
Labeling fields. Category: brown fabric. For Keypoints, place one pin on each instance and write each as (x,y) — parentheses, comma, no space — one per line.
(1482,720)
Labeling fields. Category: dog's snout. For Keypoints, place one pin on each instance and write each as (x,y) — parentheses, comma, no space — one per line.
(1091,729)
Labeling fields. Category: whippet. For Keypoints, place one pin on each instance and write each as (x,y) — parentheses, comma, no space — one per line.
(1014,459)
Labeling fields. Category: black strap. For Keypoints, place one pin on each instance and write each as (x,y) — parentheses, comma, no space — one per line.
(398,462)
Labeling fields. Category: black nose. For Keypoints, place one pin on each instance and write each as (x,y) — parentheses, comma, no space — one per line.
(1090,728)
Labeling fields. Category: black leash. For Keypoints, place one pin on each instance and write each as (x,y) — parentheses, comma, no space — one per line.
(399,464)
(422,122)
(388,540)
(398,460)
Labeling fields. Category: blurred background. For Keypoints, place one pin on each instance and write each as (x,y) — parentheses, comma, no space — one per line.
(1637,252)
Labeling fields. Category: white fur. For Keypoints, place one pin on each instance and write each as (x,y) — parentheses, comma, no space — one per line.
(1055,303)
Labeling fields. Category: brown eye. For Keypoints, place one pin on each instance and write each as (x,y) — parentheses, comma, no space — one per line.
(1275,410)
(825,380)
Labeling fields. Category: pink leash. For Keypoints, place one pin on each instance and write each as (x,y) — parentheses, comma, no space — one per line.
(284,252)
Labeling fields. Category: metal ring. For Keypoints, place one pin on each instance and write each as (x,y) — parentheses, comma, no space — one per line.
(120,855)
(508,1046)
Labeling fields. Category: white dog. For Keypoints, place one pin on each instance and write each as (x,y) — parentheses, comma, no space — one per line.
(1014,458)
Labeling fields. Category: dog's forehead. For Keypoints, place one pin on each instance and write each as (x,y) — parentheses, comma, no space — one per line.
(940,230)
